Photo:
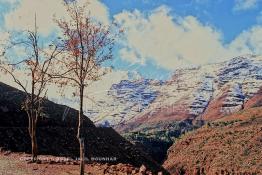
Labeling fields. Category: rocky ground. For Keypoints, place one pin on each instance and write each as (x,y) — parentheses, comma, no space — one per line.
(19,164)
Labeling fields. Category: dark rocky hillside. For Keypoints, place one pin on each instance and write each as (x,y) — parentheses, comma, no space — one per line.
(56,133)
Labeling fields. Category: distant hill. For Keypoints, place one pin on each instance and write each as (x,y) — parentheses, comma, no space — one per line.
(56,133)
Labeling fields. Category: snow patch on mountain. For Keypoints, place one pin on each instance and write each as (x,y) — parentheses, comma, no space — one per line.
(192,88)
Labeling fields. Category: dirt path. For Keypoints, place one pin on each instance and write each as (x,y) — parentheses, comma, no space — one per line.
(16,164)
(13,164)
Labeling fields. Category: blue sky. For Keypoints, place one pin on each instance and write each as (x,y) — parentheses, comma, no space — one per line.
(229,17)
(219,13)
(162,35)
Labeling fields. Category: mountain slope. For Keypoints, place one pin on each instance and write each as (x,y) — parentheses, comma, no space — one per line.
(222,87)
(230,145)
(56,133)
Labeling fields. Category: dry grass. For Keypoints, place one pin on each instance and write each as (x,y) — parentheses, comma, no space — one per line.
(221,147)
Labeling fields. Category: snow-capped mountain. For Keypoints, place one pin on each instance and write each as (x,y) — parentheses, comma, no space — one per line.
(128,99)
(190,93)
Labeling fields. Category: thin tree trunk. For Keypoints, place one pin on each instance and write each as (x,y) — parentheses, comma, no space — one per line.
(34,142)
(32,133)
(80,134)
(30,126)
(33,122)
(82,156)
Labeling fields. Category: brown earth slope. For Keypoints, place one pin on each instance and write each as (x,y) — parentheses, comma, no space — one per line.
(231,145)
(256,100)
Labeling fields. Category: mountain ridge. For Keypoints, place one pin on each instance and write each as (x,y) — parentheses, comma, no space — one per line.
(190,88)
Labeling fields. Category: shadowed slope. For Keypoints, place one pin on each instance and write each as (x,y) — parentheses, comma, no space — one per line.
(56,134)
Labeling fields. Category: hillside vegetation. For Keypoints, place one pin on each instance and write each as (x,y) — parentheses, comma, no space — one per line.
(231,145)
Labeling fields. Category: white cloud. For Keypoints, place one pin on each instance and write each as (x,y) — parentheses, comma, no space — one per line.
(158,36)
(22,17)
(175,42)
(245,4)
(248,41)
(131,56)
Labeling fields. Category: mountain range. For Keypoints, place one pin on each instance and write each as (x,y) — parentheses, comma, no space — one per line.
(190,93)
(153,112)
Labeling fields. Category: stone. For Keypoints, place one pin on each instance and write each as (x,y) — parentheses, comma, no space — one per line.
(142,169)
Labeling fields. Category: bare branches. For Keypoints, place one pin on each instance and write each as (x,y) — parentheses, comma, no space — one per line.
(61,76)
(16,80)
(87,45)
(38,64)
(14,64)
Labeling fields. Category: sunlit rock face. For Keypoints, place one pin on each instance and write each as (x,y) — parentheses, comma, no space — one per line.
(189,93)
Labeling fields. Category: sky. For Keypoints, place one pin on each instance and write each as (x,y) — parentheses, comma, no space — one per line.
(160,36)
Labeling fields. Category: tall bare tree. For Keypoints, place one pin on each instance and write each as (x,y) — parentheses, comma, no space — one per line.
(87,45)
(34,67)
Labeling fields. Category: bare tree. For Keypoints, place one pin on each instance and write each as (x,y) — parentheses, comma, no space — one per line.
(87,45)
(35,64)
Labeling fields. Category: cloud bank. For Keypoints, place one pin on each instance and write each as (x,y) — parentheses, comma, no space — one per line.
(180,41)
(156,36)
(23,15)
